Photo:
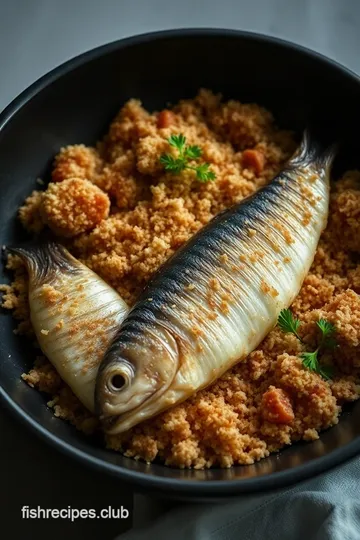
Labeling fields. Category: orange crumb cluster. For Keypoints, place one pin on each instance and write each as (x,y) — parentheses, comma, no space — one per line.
(123,216)
(73,206)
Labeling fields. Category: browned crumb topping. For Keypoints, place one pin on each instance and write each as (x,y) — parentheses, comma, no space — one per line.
(77,161)
(307,193)
(224,307)
(287,236)
(29,214)
(214,284)
(224,258)
(306,218)
(190,287)
(59,325)
(74,206)
(197,331)
(267,289)
(345,212)
(50,295)
(272,241)
(267,401)
(264,287)
(274,292)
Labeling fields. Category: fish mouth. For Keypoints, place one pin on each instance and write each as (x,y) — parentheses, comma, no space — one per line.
(115,424)
(110,420)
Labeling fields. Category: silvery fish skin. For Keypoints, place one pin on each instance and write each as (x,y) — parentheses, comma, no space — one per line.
(74,313)
(216,299)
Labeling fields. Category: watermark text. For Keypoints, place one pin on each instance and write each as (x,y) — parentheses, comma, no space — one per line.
(73,514)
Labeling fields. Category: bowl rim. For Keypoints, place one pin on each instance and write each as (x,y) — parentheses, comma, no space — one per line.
(142,480)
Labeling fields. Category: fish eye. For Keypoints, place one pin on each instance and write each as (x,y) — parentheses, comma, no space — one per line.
(117,382)
(119,377)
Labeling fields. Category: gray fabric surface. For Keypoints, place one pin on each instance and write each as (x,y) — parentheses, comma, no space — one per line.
(324,508)
(37,35)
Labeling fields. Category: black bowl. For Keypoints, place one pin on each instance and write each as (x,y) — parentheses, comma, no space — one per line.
(75,103)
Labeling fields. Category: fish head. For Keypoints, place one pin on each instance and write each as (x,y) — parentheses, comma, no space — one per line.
(136,371)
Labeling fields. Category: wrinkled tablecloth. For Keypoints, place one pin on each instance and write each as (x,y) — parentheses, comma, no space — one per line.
(326,507)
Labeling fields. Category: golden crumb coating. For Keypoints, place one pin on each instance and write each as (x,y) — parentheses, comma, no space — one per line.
(29,213)
(268,401)
(76,161)
(345,211)
(74,206)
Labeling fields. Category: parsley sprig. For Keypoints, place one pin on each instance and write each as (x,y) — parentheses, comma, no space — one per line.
(186,154)
(289,324)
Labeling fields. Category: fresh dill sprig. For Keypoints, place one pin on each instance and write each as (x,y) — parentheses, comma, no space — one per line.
(289,324)
(185,155)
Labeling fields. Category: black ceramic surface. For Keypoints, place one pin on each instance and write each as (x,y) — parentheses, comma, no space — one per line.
(75,104)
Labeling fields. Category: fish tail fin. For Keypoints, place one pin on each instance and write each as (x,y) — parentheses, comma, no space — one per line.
(310,150)
(43,260)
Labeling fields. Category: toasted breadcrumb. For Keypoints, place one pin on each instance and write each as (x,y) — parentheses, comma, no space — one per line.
(345,211)
(29,214)
(264,403)
(265,288)
(73,206)
(77,161)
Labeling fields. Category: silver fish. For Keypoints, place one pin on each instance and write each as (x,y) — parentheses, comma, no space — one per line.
(74,313)
(216,299)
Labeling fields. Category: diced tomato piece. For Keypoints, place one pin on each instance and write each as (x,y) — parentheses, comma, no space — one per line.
(276,406)
(253,159)
(165,119)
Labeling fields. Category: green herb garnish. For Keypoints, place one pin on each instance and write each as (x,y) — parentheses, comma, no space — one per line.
(311,361)
(327,334)
(289,324)
(185,155)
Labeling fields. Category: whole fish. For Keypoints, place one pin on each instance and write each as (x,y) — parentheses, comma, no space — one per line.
(216,299)
(74,313)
